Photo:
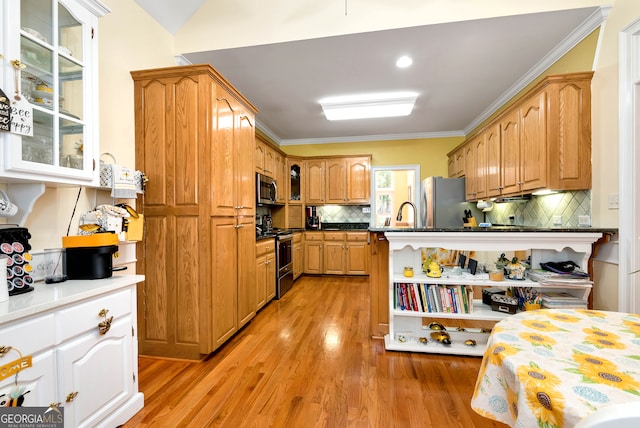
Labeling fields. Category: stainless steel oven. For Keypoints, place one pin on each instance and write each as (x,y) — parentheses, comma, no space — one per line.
(284,263)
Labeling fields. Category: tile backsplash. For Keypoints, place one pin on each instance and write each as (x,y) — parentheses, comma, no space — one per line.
(343,214)
(540,210)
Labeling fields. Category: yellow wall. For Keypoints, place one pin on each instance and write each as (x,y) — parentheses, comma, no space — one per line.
(430,154)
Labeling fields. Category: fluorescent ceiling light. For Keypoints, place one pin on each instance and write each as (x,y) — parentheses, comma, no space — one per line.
(368,105)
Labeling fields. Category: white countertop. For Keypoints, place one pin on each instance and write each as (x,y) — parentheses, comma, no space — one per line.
(52,296)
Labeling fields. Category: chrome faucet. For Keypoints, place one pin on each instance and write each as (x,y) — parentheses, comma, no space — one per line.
(415,213)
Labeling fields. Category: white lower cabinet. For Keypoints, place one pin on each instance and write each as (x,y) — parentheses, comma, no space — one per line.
(84,352)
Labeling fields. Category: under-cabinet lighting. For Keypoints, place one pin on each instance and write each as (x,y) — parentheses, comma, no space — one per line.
(544,192)
(368,105)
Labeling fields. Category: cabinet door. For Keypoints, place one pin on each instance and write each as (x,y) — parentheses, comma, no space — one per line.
(315,183)
(295,186)
(270,281)
(223,157)
(246,269)
(533,143)
(358,180)
(38,381)
(259,158)
(281,178)
(336,181)
(470,171)
(357,258)
(269,161)
(298,259)
(313,257)
(492,137)
(510,153)
(96,374)
(261,281)
(57,43)
(480,152)
(334,257)
(224,280)
(245,192)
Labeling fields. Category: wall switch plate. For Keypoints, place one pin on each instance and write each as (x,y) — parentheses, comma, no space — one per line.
(366,210)
(557,220)
(614,203)
(584,220)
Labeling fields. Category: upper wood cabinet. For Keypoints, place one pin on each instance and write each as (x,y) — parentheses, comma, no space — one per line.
(475,161)
(339,180)
(456,163)
(314,181)
(545,141)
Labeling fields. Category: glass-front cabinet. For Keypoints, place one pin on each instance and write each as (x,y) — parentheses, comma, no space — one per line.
(50,60)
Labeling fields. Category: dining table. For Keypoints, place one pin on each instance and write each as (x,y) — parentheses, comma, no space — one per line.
(553,367)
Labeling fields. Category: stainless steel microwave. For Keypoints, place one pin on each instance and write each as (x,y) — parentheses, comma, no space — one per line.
(266,190)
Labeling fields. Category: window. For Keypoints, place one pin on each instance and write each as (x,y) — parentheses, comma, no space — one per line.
(390,187)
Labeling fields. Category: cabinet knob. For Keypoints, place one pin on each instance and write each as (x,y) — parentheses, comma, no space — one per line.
(71,396)
(105,325)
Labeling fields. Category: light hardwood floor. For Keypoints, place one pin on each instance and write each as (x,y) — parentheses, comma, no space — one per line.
(307,361)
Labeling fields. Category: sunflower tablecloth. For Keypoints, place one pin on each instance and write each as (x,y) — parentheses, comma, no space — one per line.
(552,367)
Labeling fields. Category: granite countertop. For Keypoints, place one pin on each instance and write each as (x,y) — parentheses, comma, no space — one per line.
(514,228)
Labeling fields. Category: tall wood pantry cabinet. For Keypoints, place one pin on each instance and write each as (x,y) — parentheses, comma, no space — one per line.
(195,140)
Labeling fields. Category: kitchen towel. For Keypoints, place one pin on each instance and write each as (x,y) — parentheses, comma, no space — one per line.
(124,182)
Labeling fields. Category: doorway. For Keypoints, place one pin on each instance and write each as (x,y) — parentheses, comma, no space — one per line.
(629,141)
(390,187)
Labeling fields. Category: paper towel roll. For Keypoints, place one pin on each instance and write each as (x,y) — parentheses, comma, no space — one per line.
(4,288)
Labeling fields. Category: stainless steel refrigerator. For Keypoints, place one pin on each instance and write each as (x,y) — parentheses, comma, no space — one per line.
(442,203)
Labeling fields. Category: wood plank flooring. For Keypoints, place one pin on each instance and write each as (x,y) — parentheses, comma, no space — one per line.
(307,361)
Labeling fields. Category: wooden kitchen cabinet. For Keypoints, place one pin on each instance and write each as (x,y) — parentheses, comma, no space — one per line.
(259,156)
(545,140)
(346,253)
(455,163)
(295,183)
(334,253)
(199,210)
(348,180)
(265,272)
(313,253)
(314,181)
(493,161)
(338,180)
(298,254)
(270,165)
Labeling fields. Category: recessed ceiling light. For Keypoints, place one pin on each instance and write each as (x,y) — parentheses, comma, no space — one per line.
(368,105)
(404,62)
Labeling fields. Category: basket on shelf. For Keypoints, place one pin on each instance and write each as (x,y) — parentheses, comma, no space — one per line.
(123,181)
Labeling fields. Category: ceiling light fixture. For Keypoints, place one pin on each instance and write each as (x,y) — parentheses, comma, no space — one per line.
(404,62)
(368,105)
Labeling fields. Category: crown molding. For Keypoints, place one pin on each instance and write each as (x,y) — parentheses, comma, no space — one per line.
(367,138)
(594,21)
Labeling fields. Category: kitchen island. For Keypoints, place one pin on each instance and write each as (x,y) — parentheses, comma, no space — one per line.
(393,249)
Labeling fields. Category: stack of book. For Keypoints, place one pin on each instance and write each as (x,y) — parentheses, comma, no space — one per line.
(562,299)
(434,298)
(545,277)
